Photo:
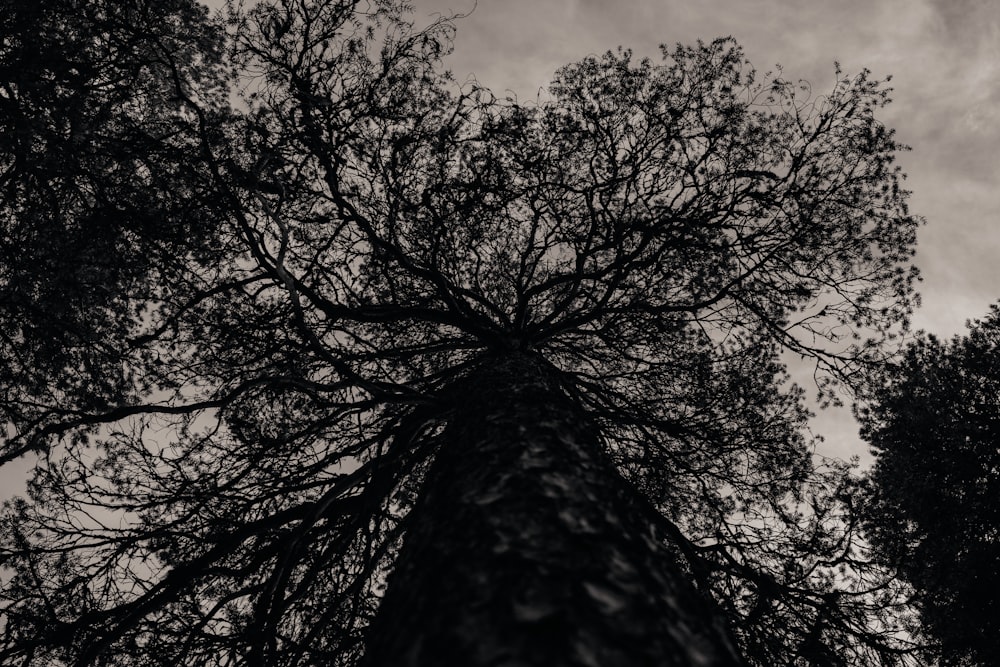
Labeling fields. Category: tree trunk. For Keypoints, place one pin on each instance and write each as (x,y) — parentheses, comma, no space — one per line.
(526,547)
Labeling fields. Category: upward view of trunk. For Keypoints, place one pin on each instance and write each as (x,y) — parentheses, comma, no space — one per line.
(527,548)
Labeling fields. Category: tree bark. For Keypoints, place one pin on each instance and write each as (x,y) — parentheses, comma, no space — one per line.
(526,547)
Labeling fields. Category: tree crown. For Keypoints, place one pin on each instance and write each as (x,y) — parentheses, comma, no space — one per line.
(231,435)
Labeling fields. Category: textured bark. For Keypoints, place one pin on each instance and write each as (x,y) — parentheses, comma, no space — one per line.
(527,548)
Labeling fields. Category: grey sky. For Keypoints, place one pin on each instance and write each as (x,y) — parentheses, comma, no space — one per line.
(944,56)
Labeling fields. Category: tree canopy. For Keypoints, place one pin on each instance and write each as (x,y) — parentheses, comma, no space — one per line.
(245,258)
(934,422)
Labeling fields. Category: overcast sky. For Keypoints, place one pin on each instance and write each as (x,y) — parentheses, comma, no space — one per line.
(944,56)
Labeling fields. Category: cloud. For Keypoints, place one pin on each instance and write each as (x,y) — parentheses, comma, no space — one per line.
(965,18)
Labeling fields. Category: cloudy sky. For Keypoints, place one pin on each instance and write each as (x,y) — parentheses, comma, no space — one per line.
(944,59)
(944,56)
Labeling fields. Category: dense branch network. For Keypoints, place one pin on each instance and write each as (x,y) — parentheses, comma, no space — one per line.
(234,385)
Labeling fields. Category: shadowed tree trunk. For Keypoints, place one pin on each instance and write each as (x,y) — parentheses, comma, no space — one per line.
(526,547)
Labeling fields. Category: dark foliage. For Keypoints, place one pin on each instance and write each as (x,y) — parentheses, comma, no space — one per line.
(934,423)
(105,199)
(227,330)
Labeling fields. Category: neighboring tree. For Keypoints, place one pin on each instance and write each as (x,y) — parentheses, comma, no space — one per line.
(934,424)
(103,200)
(377,368)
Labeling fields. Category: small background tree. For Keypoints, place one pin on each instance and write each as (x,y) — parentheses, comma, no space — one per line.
(934,425)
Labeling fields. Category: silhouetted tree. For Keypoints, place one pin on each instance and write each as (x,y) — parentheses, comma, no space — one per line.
(513,370)
(934,424)
(104,198)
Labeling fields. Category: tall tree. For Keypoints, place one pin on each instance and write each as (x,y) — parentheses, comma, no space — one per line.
(519,363)
(934,423)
